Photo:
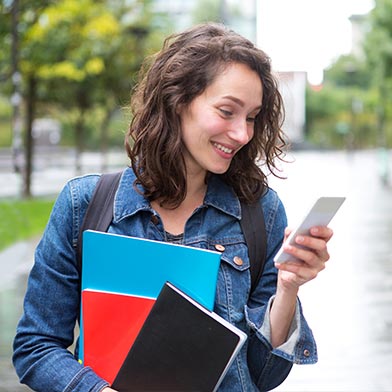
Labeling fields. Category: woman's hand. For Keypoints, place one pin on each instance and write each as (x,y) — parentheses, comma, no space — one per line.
(107,389)
(307,262)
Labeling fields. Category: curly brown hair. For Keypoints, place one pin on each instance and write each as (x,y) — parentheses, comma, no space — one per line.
(187,64)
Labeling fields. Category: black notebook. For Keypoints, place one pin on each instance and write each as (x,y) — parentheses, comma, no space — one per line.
(182,346)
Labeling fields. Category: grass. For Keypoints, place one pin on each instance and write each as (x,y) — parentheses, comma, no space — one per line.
(5,134)
(22,219)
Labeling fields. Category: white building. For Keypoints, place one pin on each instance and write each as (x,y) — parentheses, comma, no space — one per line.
(292,86)
(359,27)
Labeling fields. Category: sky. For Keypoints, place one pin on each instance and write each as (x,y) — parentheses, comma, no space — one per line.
(307,35)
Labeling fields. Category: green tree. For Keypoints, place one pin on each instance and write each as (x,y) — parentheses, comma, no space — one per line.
(16,18)
(349,71)
(78,55)
(74,42)
(342,113)
(378,47)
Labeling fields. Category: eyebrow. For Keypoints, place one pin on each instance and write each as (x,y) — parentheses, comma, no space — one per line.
(239,102)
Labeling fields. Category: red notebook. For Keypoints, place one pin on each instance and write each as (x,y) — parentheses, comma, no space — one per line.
(109,330)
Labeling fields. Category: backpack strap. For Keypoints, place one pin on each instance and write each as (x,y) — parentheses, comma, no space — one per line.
(99,213)
(253,227)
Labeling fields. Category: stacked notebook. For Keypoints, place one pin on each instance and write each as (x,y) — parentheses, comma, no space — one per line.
(147,322)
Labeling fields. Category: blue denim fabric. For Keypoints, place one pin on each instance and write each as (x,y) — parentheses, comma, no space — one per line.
(51,308)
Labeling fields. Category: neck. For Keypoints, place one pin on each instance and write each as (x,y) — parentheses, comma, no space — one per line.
(174,220)
(196,188)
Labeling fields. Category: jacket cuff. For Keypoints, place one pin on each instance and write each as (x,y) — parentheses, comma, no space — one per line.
(86,380)
(300,346)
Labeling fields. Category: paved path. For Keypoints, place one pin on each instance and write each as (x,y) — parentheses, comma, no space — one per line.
(15,263)
(349,305)
(52,168)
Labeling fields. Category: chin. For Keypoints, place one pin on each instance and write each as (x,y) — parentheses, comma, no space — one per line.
(219,170)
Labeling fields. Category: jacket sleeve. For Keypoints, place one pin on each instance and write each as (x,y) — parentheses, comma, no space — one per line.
(269,366)
(45,332)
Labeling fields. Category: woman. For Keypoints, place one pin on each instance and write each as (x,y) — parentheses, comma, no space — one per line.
(206,114)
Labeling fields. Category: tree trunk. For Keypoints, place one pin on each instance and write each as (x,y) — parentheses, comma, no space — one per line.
(104,142)
(381,136)
(83,106)
(79,142)
(29,142)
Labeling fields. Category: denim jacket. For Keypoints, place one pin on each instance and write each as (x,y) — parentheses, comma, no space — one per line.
(42,357)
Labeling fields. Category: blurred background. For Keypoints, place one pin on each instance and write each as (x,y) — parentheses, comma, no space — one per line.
(66,71)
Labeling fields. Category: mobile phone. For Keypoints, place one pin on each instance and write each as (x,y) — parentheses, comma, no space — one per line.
(322,212)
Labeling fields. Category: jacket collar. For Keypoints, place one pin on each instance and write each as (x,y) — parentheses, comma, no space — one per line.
(128,201)
(222,197)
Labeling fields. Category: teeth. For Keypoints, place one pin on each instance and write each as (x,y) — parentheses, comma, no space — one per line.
(222,148)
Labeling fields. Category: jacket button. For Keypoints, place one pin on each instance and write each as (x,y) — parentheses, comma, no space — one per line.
(154,219)
(219,248)
(237,260)
(307,353)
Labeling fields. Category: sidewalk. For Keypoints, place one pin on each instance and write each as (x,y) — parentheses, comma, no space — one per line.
(15,262)
(53,168)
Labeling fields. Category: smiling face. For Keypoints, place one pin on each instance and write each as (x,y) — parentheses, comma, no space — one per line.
(220,121)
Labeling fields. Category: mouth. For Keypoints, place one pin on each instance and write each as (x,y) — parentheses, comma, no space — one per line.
(224,149)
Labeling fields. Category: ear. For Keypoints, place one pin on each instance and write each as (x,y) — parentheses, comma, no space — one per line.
(180,109)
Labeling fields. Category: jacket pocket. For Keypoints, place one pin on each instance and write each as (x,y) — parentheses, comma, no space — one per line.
(233,283)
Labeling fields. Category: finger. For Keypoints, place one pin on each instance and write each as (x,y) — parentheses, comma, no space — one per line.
(322,232)
(287,232)
(311,251)
(308,257)
(296,272)
(312,243)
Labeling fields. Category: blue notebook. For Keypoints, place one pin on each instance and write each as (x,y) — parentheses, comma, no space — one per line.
(141,267)
(129,265)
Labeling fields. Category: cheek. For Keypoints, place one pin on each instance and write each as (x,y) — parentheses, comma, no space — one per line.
(214,125)
(251,131)
(200,125)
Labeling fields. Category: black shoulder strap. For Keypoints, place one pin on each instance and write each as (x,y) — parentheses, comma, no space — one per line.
(99,213)
(253,227)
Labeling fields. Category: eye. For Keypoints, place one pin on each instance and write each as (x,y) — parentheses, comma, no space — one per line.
(252,117)
(226,113)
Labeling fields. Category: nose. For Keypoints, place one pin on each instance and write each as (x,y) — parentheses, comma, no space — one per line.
(241,131)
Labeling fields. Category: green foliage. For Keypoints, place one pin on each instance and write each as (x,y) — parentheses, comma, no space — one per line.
(349,71)
(378,49)
(5,122)
(323,113)
(84,54)
(5,134)
(206,10)
(354,107)
(341,117)
(68,40)
(21,220)
(378,44)
(116,129)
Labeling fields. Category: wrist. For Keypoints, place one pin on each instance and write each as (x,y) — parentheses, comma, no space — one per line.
(287,290)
